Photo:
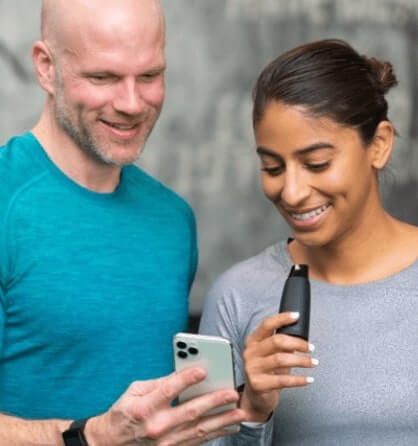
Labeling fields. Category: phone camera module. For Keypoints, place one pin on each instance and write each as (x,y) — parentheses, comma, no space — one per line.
(184,350)
(193,350)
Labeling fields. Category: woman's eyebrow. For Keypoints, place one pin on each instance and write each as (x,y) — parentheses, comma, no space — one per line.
(261,150)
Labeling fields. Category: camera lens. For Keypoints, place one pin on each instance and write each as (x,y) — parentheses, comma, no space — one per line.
(181,344)
(182,354)
(193,351)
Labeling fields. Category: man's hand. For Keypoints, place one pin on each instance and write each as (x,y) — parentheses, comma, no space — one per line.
(144,414)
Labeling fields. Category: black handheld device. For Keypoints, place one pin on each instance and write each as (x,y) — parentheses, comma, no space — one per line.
(296,296)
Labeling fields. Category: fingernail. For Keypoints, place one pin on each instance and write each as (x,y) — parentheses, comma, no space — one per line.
(311,348)
(294,314)
(310,379)
(315,361)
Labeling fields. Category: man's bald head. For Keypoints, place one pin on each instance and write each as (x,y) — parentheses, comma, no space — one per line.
(102,64)
(63,20)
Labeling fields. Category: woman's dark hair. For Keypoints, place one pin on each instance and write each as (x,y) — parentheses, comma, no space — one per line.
(330,79)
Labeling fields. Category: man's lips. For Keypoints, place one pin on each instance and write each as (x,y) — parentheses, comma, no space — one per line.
(122,131)
(120,126)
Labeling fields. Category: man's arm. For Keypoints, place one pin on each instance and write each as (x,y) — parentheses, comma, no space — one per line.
(142,415)
(18,432)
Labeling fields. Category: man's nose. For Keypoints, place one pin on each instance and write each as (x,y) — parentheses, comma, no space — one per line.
(128,99)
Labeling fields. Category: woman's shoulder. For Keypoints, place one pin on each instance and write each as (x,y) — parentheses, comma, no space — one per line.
(248,291)
(272,263)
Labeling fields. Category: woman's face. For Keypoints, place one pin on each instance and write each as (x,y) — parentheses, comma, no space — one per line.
(317,173)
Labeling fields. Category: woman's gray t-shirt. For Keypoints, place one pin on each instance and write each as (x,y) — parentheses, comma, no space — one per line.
(366,339)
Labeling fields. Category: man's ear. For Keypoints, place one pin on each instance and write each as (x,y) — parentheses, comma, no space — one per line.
(44,66)
(380,149)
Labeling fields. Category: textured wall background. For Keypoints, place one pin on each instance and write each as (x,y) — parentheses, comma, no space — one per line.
(202,146)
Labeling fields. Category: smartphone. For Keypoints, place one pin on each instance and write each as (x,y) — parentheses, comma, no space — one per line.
(214,354)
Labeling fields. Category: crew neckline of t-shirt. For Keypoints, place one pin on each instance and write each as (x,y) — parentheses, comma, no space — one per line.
(282,255)
(65,179)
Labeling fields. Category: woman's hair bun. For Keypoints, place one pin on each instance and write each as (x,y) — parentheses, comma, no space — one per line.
(383,72)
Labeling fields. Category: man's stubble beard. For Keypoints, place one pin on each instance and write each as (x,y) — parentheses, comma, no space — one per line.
(81,135)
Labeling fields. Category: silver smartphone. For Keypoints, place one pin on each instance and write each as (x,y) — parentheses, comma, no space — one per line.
(214,354)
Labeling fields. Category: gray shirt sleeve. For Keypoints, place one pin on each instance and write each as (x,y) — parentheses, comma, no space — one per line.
(231,313)
(247,436)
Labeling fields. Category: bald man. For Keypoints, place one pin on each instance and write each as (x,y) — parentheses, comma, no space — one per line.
(96,257)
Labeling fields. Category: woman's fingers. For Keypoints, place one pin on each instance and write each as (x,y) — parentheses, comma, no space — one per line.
(276,343)
(267,382)
(269,325)
(276,361)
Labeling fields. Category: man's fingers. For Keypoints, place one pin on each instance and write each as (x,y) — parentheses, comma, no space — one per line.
(208,428)
(193,414)
(159,393)
(209,402)
(217,426)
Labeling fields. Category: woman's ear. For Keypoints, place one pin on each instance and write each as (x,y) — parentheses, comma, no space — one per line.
(381,147)
(44,66)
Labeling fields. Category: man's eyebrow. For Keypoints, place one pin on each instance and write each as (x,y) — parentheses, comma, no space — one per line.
(302,151)
(113,72)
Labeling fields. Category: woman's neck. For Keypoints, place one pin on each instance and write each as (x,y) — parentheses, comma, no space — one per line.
(383,250)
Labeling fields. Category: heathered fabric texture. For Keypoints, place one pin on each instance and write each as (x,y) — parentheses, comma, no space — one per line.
(366,337)
(92,286)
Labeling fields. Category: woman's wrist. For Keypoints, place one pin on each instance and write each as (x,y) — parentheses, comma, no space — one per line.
(255,415)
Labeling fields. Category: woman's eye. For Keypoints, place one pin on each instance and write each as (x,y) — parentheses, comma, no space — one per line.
(273,171)
(317,167)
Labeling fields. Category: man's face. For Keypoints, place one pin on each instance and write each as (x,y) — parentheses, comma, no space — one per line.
(109,91)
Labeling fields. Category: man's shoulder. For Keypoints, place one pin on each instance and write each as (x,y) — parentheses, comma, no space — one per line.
(17,151)
(18,165)
(154,188)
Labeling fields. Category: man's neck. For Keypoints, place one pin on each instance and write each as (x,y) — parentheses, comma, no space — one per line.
(73,161)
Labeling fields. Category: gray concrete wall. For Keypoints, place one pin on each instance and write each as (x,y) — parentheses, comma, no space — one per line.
(203,146)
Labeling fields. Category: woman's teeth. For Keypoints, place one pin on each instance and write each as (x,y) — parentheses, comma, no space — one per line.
(310,214)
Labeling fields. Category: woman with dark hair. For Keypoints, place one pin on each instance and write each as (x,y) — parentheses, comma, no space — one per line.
(323,135)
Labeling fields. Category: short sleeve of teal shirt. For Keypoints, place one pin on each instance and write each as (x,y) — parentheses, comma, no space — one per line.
(93,286)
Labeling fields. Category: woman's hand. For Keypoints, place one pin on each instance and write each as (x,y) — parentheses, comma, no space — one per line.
(268,360)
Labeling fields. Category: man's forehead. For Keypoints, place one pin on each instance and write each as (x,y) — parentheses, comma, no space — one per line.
(61,17)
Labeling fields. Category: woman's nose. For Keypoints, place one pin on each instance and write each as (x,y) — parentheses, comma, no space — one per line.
(295,187)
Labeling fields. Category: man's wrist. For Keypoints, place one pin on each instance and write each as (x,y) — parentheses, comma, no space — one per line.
(97,432)
(74,435)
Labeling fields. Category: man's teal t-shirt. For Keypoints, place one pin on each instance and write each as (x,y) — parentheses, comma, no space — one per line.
(92,286)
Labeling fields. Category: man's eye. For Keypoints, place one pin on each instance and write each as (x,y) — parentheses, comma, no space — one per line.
(101,78)
(147,77)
